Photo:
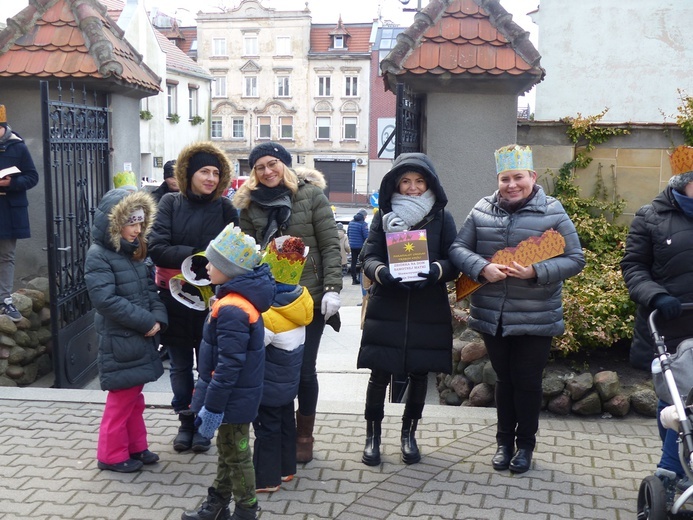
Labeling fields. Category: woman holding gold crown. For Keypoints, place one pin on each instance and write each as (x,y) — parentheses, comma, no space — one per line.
(658,272)
(518,309)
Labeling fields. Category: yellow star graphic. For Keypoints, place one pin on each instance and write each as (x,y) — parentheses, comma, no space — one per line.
(409,247)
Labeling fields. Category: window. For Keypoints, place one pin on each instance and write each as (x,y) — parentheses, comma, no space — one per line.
(238,128)
(349,128)
(250,89)
(219,47)
(324,86)
(264,127)
(250,47)
(322,127)
(351,86)
(283,46)
(192,102)
(283,86)
(172,105)
(216,128)
(286,127)
(338,42)
(219,86)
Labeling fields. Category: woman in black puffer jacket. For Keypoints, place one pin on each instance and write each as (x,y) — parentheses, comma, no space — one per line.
(186,223)
(408,325)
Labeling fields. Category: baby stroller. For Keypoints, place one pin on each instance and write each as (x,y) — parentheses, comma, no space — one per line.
(675,380)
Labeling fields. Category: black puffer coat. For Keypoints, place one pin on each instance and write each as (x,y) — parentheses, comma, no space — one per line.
(185,225)
(409,331)
(658,260)
(124,295)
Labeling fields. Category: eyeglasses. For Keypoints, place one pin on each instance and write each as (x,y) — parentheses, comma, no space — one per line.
(271,165)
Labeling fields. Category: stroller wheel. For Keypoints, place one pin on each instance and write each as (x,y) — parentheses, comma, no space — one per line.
(652,500)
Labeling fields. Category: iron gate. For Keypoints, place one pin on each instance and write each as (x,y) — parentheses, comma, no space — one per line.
(75,164)
(407,121)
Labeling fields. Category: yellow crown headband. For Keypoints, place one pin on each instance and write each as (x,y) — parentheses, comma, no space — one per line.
(681,160)
(123,179)
(513,157)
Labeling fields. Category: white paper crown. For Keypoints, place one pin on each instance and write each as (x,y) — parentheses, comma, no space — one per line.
(513,157)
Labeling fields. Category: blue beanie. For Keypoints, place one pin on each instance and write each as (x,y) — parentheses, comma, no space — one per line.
(272,149)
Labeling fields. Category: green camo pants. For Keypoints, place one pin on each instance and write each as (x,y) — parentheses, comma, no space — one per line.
(235,471)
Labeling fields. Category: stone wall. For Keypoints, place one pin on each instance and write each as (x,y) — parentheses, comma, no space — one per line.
(473,380)
(25,346)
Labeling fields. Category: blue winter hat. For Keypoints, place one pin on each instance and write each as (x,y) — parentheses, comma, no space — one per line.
(272,149)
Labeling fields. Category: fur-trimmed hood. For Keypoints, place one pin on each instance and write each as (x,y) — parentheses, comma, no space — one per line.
(241,199)
(181,170)
(113,212)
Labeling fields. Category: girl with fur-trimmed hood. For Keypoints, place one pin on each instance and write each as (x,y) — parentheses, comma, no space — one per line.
(277,200)
(129,317)
(186,223)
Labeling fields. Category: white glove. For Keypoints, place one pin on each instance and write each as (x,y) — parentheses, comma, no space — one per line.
(330,304)
(669,418)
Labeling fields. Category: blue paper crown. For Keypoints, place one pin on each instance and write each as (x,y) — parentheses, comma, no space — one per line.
(237,247)
(513,157)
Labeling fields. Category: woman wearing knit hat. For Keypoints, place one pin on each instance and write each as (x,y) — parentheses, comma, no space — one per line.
(277,200)
(186,223)
(519,309)
(408,325)
(658,272)
(129,317)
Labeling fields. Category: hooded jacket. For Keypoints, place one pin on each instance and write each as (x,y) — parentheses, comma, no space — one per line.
(313,221)
(184,225)
(517,306)
(14,204)
(409,331)
(658,257)
(122,292)
(232,353)
(357,231)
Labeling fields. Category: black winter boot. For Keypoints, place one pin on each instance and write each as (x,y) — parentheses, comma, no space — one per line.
(371,453)
(245,513)
(186,430)
(410,451)
(200,444)
(215,507)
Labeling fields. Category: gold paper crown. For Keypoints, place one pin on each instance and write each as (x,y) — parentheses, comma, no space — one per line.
(513,157)
(125,179)
(286,257)
(681,160)
(3,114)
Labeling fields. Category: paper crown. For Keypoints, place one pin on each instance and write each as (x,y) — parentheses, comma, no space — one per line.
(194,269)
(125,180)
(681,160)
(3,114)
(233,252)
(286,256)
(193,296)
(513,157)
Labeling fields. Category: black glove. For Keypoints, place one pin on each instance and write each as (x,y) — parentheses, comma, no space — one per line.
(387,280)
(431,277)
(668,306)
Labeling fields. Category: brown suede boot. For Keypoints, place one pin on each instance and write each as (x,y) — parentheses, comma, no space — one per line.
(304,437)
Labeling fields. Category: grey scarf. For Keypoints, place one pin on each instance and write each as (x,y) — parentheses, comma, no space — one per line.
(407,211)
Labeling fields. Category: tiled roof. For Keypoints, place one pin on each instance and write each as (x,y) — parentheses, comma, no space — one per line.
(358,40)
(71,39)
(466,39)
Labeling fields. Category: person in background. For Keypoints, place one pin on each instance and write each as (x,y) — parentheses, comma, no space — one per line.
(185,224)
(358,233)
(274,455)
(658,273)
(275,201)
(170,184)
(408,325)
(344,248)
(14,213)
(129,317)
(231,370)
(519,309)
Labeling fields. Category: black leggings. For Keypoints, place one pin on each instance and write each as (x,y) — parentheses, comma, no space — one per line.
(377,388)
(519,363)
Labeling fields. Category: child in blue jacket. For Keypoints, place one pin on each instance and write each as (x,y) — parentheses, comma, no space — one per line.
(231,369)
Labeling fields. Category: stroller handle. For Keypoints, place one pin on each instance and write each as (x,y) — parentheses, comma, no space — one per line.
(652,325)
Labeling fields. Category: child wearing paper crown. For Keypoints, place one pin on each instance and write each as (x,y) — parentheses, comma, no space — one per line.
(231,367)
(129,316)
(274,454)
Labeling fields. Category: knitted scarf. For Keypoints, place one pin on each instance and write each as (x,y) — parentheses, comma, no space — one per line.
(684,202)
(277,203)
(407,210)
